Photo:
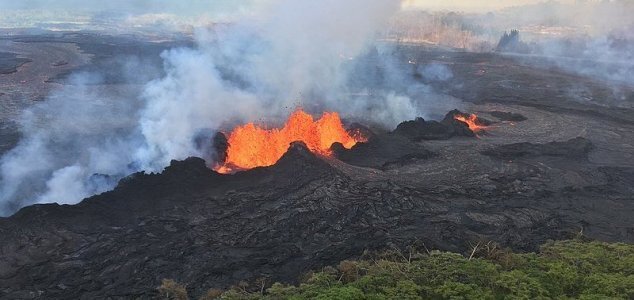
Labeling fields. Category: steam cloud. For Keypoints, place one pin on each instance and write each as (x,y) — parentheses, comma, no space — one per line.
(601,43)
(592,38)
(320,55)
(294,53)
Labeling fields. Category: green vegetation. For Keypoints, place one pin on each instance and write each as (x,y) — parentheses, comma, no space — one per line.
(169,289)
(561,270)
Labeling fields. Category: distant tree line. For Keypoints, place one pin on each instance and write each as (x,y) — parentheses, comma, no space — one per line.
(510,42)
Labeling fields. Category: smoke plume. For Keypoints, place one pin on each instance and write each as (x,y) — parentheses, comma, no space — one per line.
(81,140)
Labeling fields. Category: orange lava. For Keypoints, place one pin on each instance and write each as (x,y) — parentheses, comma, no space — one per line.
(472,122)
(252,146)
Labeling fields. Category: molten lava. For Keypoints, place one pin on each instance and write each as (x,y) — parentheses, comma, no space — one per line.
(252,146)
(471,120)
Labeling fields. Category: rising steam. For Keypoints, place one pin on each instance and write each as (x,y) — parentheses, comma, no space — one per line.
(328,55)
(293,53)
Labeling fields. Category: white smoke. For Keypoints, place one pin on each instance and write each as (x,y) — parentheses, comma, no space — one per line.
(190,98)
(294,53)
(68,141)
(592,38)
(66,184)
(436,72)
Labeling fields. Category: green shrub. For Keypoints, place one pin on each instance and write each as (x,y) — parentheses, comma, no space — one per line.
(172,290)
(561,270)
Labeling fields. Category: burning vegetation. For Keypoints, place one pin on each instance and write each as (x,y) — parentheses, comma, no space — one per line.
(253,146)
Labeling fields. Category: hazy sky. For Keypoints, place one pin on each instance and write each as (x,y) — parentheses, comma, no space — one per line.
(132,6)
(469,5)
(189,6)
(216,10)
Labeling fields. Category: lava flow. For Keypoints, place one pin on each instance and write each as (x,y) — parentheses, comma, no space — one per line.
(252,146)
(471,120)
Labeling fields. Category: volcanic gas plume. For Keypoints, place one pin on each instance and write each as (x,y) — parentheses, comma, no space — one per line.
(81,141)
(253,146)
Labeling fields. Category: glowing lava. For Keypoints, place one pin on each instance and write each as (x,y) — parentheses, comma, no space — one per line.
(471,120)
(252,146)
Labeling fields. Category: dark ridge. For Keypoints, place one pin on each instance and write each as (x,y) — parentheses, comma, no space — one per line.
(508,116)
(577,148)
(450,117)
(220,146)
(297,166)
(381,151)
(419,129)
(10,62)
(360,131)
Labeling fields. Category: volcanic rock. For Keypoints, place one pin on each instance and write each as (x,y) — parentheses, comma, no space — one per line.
(11,62)
(205,229)
(419,129)
(211,230)
(451,117)
(220,145)
(508,116)
(577,148)
(381,151)
(357,130)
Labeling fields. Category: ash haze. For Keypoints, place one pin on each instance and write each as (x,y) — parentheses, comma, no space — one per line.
(470,5)
(122,15)
(257,60)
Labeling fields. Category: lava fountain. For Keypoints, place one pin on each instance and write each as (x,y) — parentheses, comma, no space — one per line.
(252,146)
(471,120)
